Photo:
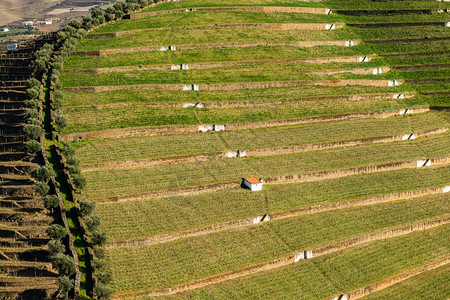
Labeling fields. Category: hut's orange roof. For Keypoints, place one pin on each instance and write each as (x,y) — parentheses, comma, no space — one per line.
(253,180)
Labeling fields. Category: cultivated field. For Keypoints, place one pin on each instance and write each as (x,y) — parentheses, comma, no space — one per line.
(341,107)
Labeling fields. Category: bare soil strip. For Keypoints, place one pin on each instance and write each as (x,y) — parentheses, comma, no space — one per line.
(248,103)
(266,26)
(231,86)
(283,179)
(288,260)
(390,281)
(166,130)
(221,64)
(299,44)
(251,153)
(260,9)
(168,237)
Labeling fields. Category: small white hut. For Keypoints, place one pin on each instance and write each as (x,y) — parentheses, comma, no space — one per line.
(253,183)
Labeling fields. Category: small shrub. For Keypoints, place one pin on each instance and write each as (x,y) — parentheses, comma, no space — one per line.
(98,238)
(32,147)
(103,291)
(33,93)
(51,202)
(42,173)
(99,252)
(41,188)
(92,222)
(55,247)
(34,121)
(63,263)
(33,83)
(56,231)
(60,120)
(79,181)
(86,207)
(33,132)
(32,103)
(65,284)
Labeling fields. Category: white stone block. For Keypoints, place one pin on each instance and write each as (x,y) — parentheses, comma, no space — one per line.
(328,11)
(349,43)
(241,153)
(363,59)
(447,24)
(393,83)
(195,87)
(308,254)
(172,48)
(175,67)
(377,71)
(299,256)
(202,128)
(399,96)
(342,297)
(330,26)
(184,67)
(187,87)
(186,105)
(409,136)
(446,189)
(163,49)
(424,163)
(231,154)
(218,127)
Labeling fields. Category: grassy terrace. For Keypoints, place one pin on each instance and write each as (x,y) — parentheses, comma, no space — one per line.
(332,274)
(128,220)
(335,4)
(227,251)
(260,53)
(119,182)
(432,285)
(143,96)
(247,73)
(226,35)
(240,17)
(107,150)
(91,119)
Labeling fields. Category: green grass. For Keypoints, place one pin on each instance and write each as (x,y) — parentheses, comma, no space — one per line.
(226,35)
(207,55)
(108,150)
(241,17)
(222,35)
(211,18)
(336,273)
(119,182)
(429,285)
(92,119)
(214,3)
(376,5)
(247,73)
(148,217)
(72,99)
(182,261)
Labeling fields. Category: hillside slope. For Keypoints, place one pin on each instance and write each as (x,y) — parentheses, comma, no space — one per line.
(339,107)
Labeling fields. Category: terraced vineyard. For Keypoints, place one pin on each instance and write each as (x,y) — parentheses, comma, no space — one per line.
(26,271)
(340,107)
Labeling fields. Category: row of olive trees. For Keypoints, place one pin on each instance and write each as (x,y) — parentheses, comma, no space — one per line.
(62,262)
